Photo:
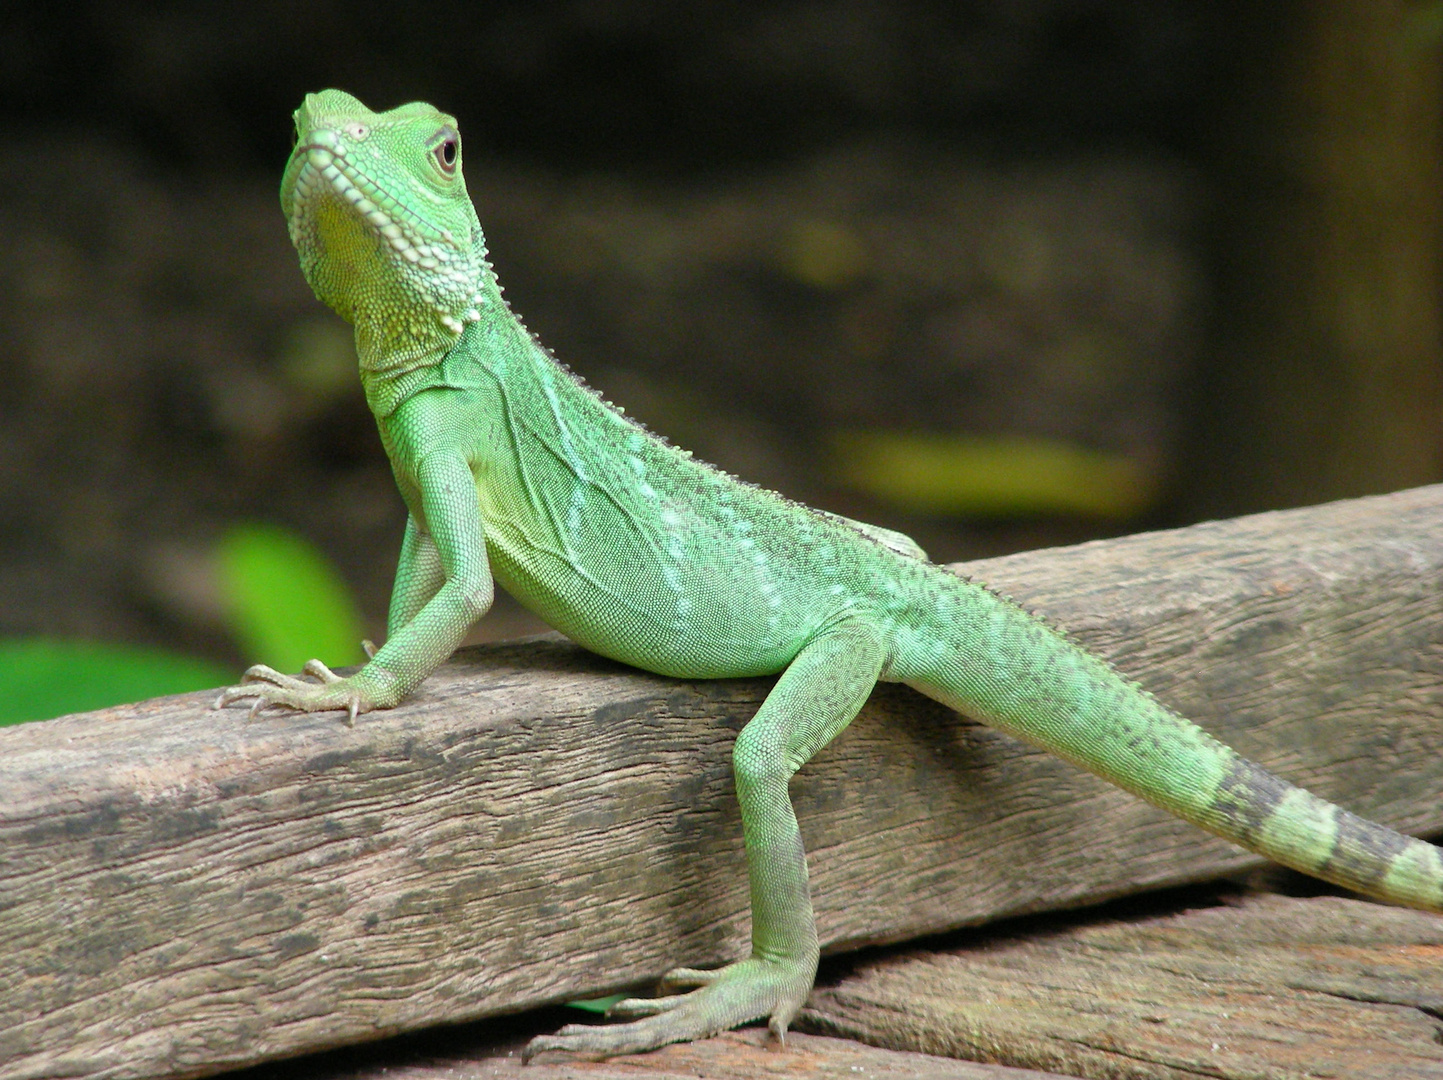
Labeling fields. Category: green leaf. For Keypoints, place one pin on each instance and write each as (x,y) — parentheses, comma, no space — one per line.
(997,476)
(284,600)
(596,1005)
(41,678)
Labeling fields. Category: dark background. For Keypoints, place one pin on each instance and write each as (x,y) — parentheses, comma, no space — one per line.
(1195,238)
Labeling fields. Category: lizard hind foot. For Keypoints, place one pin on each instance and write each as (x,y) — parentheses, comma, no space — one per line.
(725,998)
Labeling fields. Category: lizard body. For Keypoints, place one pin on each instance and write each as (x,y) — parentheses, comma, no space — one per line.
(510,467)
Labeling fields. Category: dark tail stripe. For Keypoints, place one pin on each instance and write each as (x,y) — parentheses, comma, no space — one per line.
(1251,802)
(1363,851)
(1248,798)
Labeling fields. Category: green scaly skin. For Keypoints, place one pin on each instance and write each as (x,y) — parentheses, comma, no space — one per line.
(510,466)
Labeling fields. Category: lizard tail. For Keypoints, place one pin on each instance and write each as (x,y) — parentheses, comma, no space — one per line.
(1012,672)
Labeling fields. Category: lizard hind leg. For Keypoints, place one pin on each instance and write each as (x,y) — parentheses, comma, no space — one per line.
(816,697)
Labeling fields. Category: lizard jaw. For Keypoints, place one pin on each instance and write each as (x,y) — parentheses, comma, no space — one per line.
(348,228)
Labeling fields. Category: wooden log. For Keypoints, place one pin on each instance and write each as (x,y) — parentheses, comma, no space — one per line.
(183,890)
(1273,986)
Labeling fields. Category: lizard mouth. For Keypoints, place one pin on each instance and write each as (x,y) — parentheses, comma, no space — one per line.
(322,170)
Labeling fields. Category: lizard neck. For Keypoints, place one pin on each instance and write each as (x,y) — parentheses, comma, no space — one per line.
(495,341)
(400,354)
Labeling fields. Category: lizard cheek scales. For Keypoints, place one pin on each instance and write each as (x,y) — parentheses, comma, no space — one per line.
(510,466)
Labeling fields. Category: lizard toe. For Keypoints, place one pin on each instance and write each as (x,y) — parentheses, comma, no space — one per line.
(317,670)
(690,977)
(633,1008)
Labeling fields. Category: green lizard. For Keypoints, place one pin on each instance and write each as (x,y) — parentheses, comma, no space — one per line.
(510,466)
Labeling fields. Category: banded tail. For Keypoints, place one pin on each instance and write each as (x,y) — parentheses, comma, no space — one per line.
(1014,673)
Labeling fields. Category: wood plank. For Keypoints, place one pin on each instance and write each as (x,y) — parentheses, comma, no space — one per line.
(749,1054)
(184,891)
(1273,986)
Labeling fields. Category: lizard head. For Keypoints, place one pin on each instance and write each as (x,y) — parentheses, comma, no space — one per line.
(386,233)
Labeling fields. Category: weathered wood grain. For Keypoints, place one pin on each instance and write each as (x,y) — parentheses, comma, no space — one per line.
(750,1054)
(1275,986)
(182,890)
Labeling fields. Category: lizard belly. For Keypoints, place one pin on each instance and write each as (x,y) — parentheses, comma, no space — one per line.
(646,603)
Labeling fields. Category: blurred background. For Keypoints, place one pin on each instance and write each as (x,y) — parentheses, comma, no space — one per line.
(998,273)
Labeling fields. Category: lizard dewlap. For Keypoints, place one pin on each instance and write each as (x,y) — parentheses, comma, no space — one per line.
(510,467)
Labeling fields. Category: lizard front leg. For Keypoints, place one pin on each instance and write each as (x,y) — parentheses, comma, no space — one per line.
(443,585)
(823,688)
(419,577)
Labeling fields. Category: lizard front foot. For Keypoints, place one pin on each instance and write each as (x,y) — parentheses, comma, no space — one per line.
(726,998)
(267,688)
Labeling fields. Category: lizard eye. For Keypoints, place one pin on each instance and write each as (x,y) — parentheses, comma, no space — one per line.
(446,154)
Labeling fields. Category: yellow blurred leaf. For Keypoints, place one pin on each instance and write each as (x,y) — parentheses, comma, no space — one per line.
(823,254)
(993,476)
